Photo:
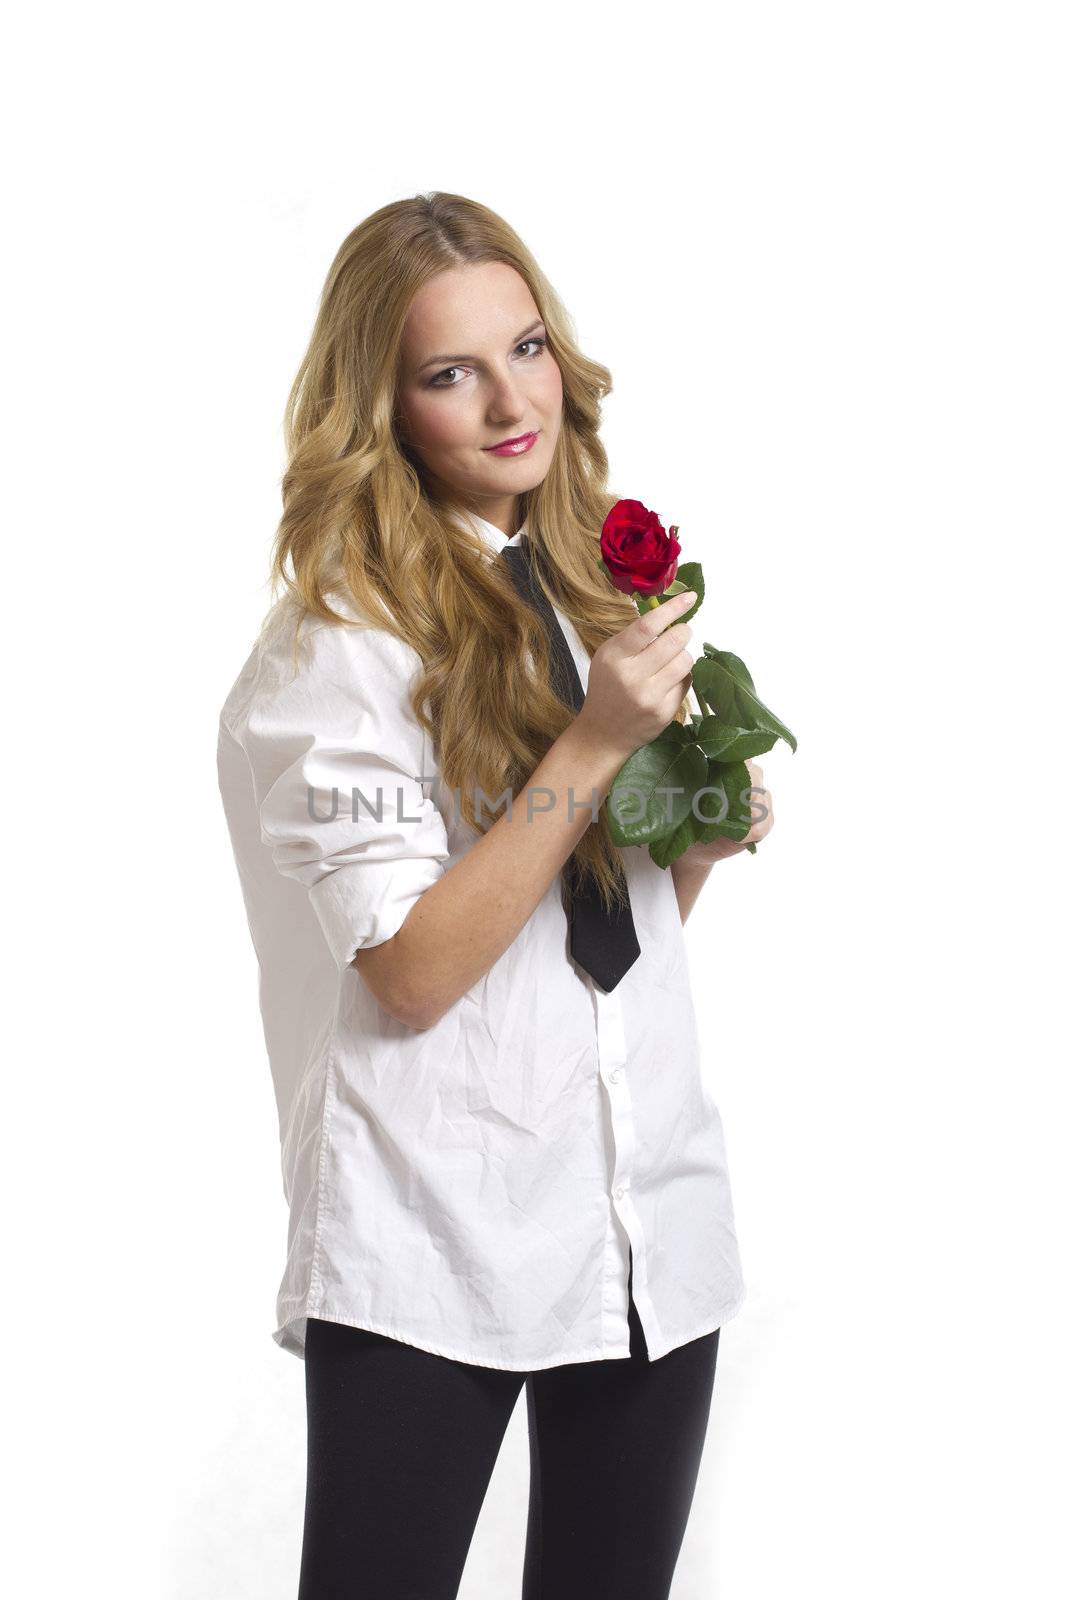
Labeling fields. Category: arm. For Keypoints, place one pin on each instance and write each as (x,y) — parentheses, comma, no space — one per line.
(689,879)
(420,928)
(691,869)
(458,928)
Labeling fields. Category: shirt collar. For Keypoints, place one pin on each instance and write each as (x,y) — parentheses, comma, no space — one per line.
(492,535)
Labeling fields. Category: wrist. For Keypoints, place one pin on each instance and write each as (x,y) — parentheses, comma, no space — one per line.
(599,759)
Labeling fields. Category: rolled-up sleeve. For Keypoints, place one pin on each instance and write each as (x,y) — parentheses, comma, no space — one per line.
(342,776)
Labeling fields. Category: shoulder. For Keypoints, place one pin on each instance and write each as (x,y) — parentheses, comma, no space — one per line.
(310,643)
(299,658)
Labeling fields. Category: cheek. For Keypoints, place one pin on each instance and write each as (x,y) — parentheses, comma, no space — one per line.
(438,427)
(550,386)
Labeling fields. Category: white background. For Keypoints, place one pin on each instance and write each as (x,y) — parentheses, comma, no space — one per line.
(822,250)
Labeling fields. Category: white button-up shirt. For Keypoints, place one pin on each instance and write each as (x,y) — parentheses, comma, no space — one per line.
(473,1188)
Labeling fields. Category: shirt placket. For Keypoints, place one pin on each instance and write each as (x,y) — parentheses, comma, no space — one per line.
(624,1227)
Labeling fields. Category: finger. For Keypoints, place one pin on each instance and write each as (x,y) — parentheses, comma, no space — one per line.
(645,630)
(678,670)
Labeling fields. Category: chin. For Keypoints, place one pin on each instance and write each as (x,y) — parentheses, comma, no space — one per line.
(514,482)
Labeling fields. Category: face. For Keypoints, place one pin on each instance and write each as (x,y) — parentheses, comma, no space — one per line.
(476,370)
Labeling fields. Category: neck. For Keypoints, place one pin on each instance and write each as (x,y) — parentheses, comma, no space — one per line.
(502,512)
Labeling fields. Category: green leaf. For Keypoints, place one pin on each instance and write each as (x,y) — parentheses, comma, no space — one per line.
(642,802)
(728,781)
(669,795)
(726,684)
(720,741)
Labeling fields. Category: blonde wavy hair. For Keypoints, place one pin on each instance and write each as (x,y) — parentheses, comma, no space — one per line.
(358,517)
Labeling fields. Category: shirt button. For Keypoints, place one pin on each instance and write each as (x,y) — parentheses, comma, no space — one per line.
(613,1077)
(620,1191)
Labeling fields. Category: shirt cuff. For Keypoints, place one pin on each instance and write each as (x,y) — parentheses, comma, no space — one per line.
(365,903)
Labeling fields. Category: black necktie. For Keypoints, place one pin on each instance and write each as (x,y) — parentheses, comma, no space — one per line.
(603,940)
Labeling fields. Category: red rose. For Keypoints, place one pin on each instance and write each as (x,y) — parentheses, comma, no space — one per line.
(640,557)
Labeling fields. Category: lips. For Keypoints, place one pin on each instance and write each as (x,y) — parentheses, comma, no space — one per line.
(513,447)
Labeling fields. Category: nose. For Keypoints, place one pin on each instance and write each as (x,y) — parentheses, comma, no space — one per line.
(506,400)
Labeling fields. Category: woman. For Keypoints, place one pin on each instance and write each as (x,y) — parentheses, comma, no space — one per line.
(501,1169)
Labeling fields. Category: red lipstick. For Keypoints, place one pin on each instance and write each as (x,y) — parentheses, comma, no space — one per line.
(514,447)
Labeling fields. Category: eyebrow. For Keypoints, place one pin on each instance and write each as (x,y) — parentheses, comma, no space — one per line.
(435,361)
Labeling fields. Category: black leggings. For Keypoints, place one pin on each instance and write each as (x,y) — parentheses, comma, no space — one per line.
(402,1445)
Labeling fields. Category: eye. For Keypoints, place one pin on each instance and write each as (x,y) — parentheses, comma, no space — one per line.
(435,382)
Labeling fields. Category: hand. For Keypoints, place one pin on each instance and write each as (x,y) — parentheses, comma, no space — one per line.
(706,855)
(639,677)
